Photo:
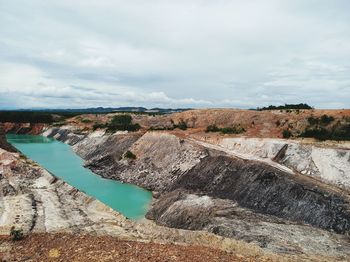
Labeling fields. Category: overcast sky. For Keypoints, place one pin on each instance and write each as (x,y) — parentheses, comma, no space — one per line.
(179,53)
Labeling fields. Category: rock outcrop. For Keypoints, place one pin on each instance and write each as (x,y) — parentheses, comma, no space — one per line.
(35,201)
(202,187)
(329,164)
(269,191)
(4,144)
(23,128)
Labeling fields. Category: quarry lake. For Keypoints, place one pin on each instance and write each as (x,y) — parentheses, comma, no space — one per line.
(60,160)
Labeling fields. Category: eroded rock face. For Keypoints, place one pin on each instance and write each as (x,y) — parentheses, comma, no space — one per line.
(23,128)
(4,144)
(269,191)
(67,134)
(226,218)
(160,159)
(33,200)
(165,163)
(329,164)
(204,188)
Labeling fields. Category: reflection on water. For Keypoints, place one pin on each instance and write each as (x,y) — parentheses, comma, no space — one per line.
(23,139)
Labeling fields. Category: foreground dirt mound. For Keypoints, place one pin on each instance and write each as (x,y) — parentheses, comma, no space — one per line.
(67,247)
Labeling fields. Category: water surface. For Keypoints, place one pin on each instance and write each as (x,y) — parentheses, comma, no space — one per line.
(59,159)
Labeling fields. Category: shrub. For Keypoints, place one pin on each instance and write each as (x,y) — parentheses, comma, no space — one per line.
(228,130)
(323,120)
(313,120)
(85,120)
(326,119)
(225,130)
(232,130)
(98,126)
(129,154)
(319,133)
(212,128)
(16,234)
(122,122)
(278,123)
(341,132)
(286,133)
(181,125)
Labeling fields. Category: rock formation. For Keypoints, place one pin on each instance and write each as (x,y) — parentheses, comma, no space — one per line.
(204,187)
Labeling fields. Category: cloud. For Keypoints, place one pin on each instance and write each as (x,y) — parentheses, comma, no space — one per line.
(196,53)
(28,92)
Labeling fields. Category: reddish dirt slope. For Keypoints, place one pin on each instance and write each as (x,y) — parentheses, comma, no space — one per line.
(257,123)
(82,248)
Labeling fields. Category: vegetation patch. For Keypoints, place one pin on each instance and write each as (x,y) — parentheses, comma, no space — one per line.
(16,234)
(161,128)
(129,154)
(225,130)
(98,126)
(286,133)
(326,128)
(323,120)
(339,131)
(286,106)
(122,123)
(181,125)
(86,120)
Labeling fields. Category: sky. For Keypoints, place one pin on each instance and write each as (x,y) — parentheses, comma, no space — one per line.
(179,53)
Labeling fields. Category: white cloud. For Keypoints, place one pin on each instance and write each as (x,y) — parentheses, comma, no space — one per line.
(21,83)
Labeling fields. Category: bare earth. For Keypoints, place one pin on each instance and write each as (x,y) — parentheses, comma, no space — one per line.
(68,247)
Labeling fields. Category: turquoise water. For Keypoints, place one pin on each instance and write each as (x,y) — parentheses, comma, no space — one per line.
(59,159)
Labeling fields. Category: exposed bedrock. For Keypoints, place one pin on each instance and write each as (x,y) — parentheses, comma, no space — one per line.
(330,164)
(225,217)
(201,188)
(33,200)
(166,162)
(23,128)
(4,144)
(67,134)
(269,191)
(161,158)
